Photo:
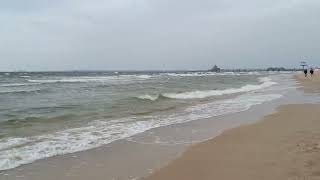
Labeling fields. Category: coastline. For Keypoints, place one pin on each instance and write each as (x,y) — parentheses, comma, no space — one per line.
(135,157)
(284,145)
(146,153)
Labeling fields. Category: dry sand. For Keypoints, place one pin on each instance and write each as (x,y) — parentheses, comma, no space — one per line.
(284,146)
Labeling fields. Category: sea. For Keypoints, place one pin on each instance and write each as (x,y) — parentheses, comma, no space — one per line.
(46,114)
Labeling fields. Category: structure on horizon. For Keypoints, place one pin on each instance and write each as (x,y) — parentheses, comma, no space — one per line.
(303,64)
(215,69)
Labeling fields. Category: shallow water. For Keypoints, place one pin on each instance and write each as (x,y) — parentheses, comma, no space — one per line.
(48,114)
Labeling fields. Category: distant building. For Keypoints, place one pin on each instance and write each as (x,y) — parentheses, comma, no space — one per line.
(215,69)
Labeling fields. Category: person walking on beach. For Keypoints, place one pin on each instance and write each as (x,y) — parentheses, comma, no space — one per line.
(311,72)
(305,72)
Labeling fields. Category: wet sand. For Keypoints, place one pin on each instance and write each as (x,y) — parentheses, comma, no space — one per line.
(285,145)
(309,84)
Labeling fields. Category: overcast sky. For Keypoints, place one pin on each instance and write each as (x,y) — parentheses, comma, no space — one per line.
(157,34)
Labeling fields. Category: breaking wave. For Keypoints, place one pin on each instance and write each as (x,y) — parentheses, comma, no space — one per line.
(149,97)
(16,151)
(265,82)
(18,84)
(92,79)
(19,91)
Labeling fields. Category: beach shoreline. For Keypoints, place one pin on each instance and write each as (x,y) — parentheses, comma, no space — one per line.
(146,153)
(137,156)
(284,145)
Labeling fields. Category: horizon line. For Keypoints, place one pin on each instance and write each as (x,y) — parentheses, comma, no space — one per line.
(132,70)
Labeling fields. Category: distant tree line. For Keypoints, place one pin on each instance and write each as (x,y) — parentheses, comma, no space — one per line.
(276,69)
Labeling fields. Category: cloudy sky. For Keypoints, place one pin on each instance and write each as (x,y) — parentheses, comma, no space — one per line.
(157,34)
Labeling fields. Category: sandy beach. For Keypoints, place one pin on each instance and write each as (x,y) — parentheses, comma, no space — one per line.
(284,145)
(309,84)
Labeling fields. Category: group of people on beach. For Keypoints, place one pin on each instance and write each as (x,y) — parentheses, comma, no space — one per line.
(312,71)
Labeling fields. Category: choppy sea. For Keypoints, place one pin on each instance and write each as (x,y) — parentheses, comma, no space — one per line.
(44,114)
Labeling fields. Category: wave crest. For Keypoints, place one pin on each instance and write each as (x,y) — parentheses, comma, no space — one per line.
(16,151)
(149,97)
(265,82)
(92,79)
(20,91)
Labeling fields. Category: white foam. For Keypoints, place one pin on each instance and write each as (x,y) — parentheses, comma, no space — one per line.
(254,73)
(143,76)
(195,74)
(188,74)
(18,151)
(17,84)
(266,82)
(149,97)
(6,144)
(102,79)
(117,78)
(202,74)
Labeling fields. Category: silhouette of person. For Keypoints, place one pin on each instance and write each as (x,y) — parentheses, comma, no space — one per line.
(311,72)
(305,72)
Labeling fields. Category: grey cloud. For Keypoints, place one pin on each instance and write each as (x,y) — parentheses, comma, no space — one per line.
(157,34)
